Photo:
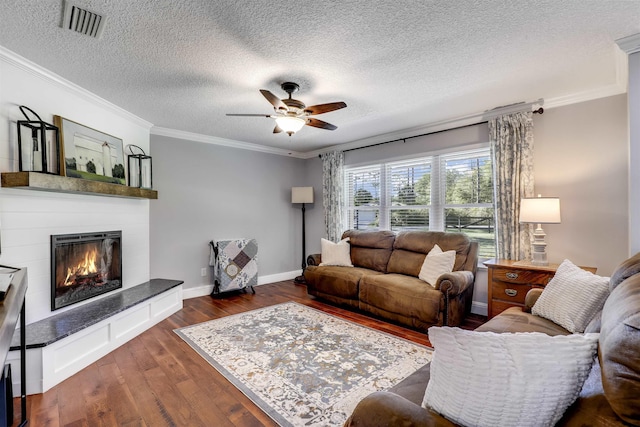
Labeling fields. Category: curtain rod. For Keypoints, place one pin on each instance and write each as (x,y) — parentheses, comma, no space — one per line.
(537,111)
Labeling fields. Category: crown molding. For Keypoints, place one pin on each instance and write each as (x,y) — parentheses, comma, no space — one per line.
(441,125)
(24,64)
(232,143)
(629,44)
(576,98)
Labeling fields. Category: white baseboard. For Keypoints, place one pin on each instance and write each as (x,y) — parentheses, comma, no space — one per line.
(202,290)
(481,308)
(287,275)
(198,291)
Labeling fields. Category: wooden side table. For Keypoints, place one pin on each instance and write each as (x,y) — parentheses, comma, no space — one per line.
(509,282)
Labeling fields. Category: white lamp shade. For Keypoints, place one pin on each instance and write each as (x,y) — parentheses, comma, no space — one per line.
(302,195)
(290,124)
(540,210)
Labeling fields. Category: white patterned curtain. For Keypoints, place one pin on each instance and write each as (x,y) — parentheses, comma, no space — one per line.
(332,193)
(512,149)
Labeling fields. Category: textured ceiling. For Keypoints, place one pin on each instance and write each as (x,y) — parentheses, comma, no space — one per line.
(398,64)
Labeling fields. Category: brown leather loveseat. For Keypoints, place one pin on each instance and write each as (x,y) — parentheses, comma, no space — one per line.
(384,279)
(610,397)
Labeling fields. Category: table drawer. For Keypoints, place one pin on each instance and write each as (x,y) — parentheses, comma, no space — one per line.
(522,276)
(514,293)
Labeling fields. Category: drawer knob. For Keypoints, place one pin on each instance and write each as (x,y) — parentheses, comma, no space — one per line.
(512,275)
(511,292)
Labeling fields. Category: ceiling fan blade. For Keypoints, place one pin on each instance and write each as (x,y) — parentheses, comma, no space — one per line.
(274,100)
(324,108)
(277,129)
(320,124)
(249,115)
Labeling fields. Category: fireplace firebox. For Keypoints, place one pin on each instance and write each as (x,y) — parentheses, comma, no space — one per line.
(84,265)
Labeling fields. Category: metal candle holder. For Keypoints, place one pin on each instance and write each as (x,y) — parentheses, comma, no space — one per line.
(38,144)
(139,168)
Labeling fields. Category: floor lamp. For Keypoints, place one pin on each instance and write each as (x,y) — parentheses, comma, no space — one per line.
(302,195)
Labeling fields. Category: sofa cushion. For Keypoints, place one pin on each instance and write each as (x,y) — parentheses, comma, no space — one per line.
(619,349)
(339,281)
(520,379)
(572,297)
(456,242)
(406,296)
(411,247)
(435,264)
(370,249)
(514,319)
(336,253)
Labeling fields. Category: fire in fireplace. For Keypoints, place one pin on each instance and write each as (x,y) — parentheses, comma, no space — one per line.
(84,265)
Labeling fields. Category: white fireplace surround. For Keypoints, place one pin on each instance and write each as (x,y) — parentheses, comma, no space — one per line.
(29,218)
(51,364)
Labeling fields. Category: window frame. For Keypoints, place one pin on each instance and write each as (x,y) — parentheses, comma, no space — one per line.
(438,204)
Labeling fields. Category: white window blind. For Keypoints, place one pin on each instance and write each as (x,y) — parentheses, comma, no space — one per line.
(408,186)
(363,197)
(452,192)
(468,197)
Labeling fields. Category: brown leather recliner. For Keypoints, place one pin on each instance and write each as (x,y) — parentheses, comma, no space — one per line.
(614,400)
(384,280)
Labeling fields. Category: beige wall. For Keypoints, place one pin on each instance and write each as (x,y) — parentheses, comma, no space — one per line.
(581,155)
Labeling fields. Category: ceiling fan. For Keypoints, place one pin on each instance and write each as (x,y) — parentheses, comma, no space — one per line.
(291,115)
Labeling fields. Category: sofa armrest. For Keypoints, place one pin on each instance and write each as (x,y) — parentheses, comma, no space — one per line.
(531,298)
(314,259)
(384,408)
(455,283)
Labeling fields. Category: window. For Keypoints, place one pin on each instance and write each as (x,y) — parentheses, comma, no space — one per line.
(363,193)
(408,184)
(449,192)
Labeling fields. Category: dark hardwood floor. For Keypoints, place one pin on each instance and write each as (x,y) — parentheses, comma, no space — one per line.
(156,379)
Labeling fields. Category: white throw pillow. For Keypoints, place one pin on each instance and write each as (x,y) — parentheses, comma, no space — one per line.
(435,264)
(572,297)
(509,379)
(336,253)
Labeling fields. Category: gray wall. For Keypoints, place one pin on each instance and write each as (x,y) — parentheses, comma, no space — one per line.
(581,154)
(210,192)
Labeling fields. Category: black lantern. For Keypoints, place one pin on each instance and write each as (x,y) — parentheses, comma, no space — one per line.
(139,167)
(38,145)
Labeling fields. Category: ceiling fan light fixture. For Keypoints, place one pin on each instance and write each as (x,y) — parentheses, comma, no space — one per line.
(290,124)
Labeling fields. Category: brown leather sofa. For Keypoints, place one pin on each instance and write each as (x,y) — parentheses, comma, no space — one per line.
(384,280)
(609,399)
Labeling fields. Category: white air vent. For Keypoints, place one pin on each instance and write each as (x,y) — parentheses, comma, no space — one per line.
(82,21)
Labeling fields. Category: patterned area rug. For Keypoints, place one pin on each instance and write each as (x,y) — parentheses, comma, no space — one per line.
(300,365)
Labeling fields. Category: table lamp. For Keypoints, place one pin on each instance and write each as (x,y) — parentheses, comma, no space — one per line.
(539,210)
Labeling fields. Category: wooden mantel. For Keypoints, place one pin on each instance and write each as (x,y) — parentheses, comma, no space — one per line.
(62,184)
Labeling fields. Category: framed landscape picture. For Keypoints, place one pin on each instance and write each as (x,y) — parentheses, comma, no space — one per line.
(89,153)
